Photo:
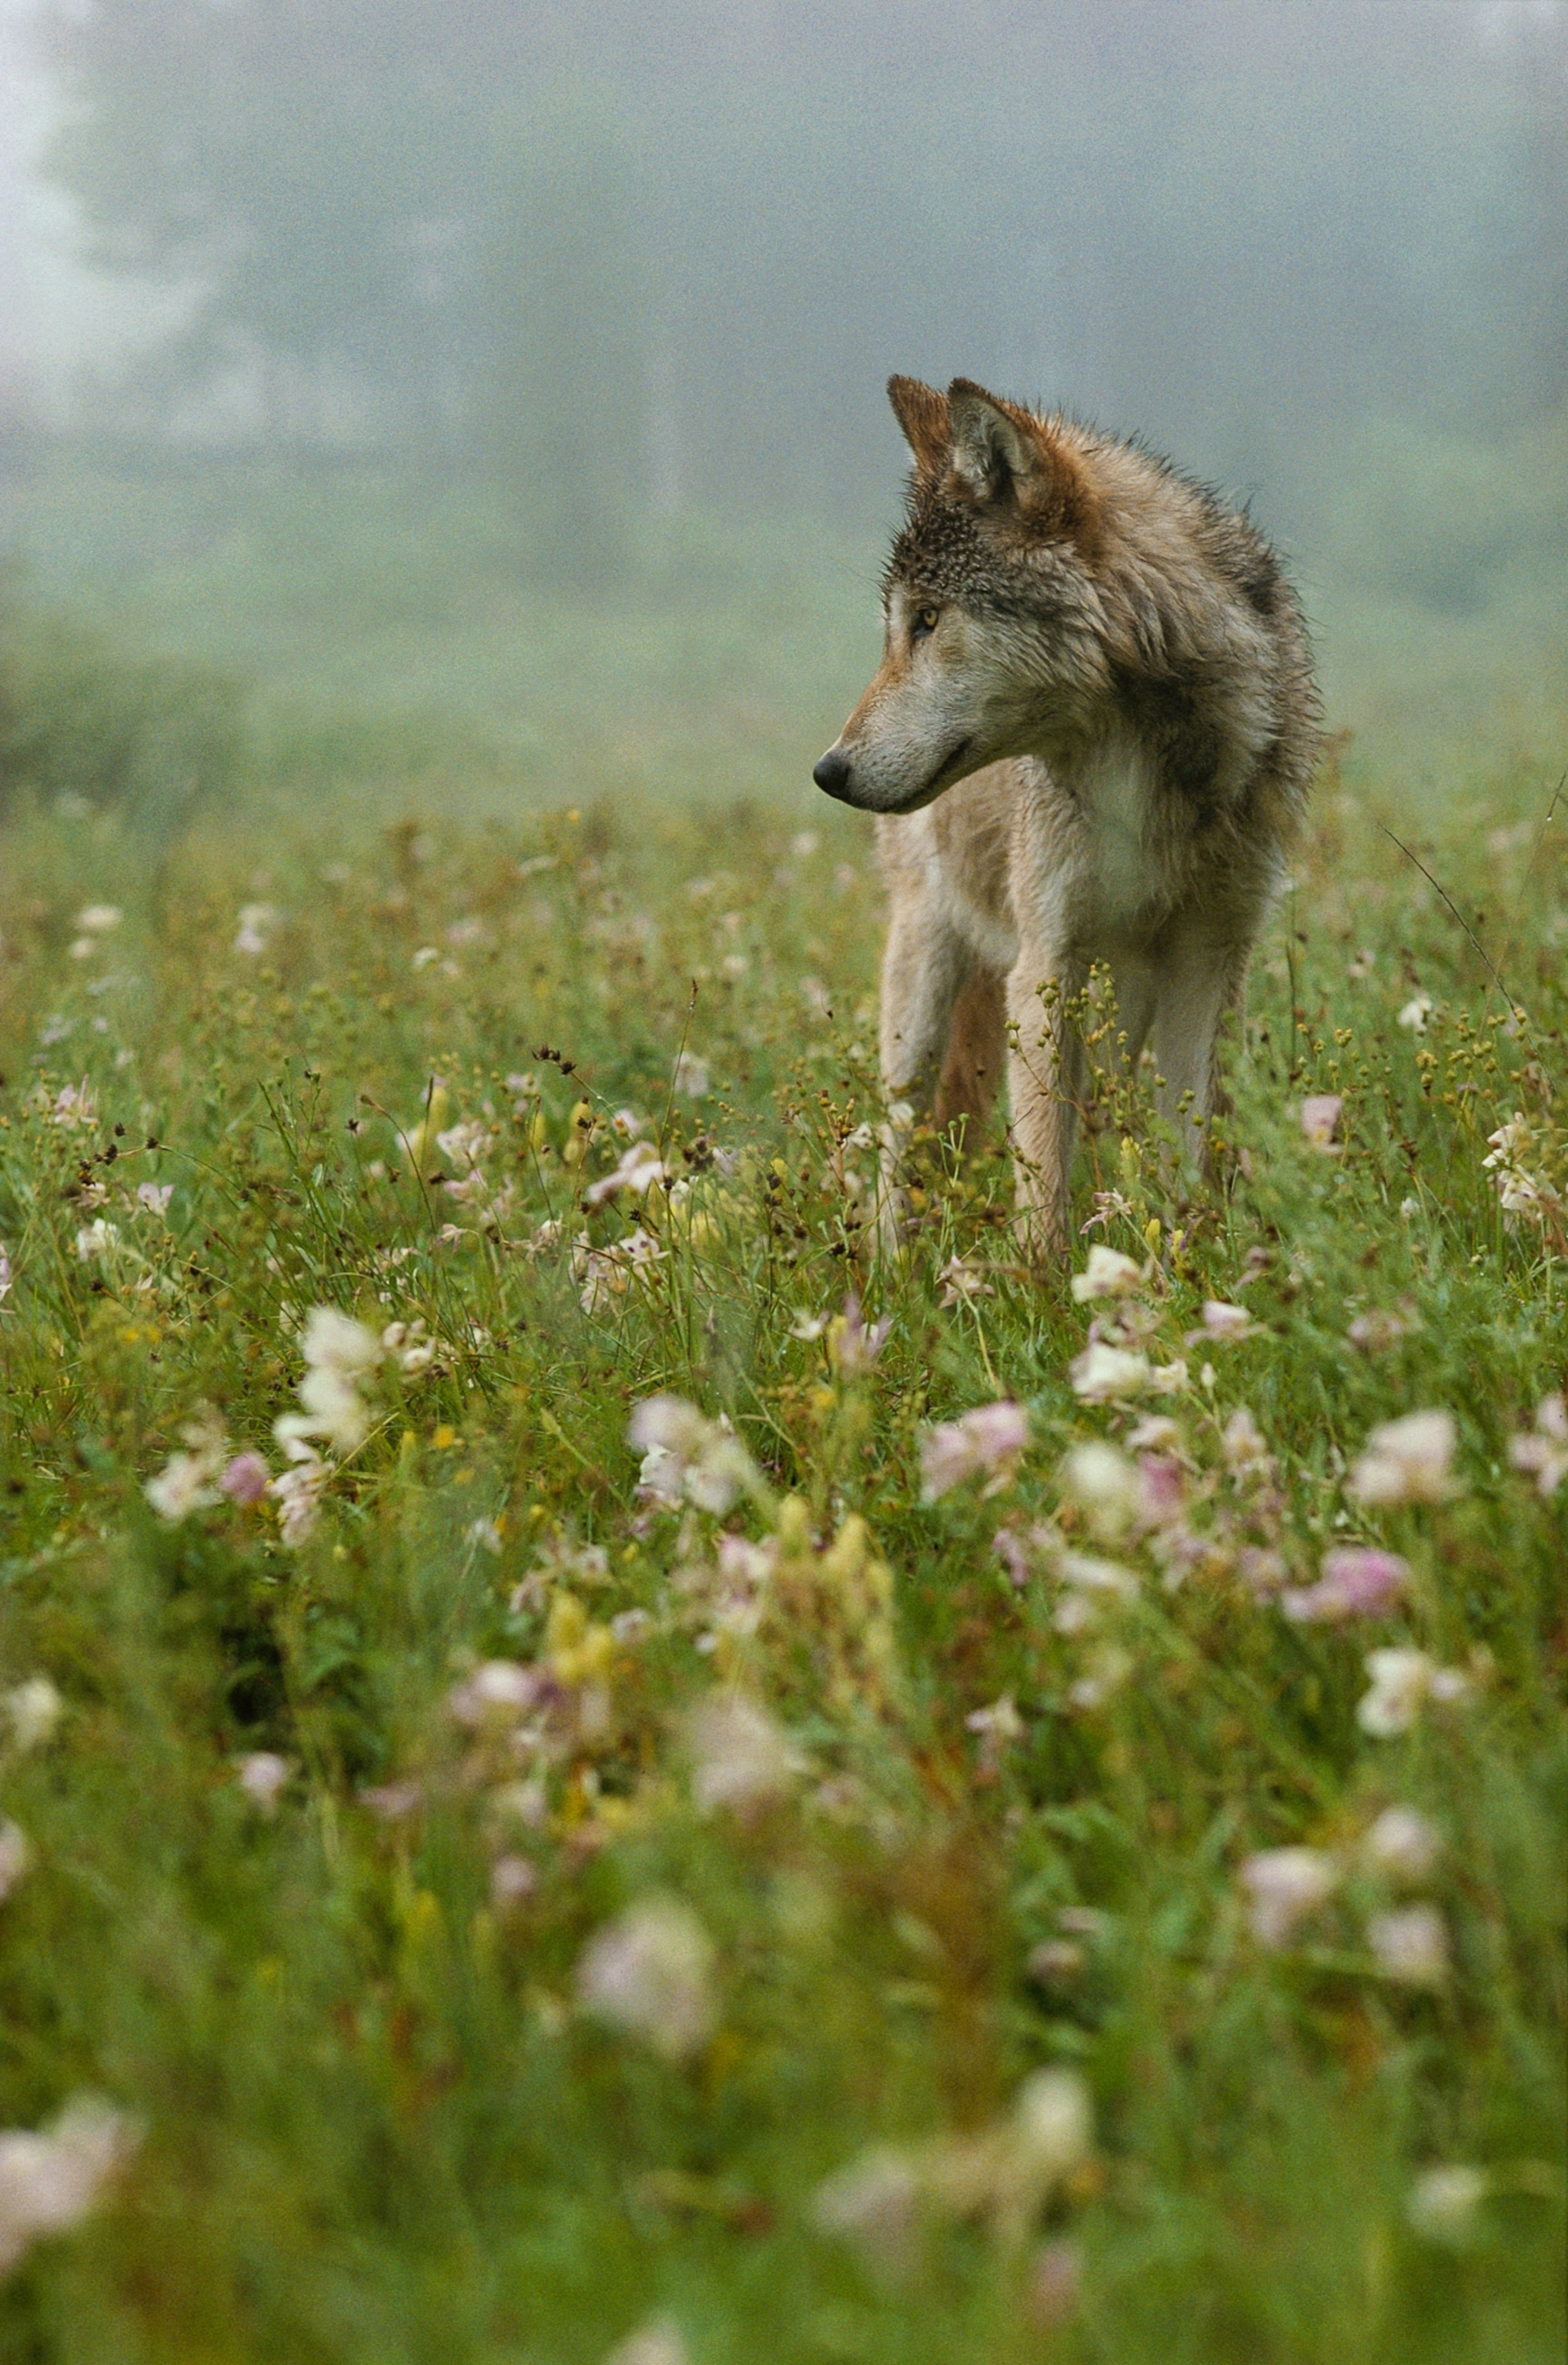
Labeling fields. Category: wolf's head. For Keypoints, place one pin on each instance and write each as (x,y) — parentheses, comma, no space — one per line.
(990,602)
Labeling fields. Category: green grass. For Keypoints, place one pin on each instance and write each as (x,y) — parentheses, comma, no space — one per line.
(375,2119)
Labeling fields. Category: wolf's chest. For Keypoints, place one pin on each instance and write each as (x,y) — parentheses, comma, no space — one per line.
(1124,862)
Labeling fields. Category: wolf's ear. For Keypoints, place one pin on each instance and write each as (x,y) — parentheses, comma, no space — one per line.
(921,413)
(993,450)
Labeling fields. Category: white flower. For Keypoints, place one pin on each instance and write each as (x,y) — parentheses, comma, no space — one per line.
(1246,1454)
(256,922)
(651,1973)
(1544,1454)
(96,1240)
(691,1076)
(154,1196)
(1103,1373)
(608,1274)
(875,2203)
(262,1777)
(338,1350)
(961,1283)
(16,1856)
(1283,1886)
(5,1271)
(34,1710)
(297,1490)
(1403,1847)
(640,1169)
(1406,1461)
(188,1482)
(497,1693)
(1108,1273)
(685,1454)
(1521,1192)
(1414,1015)
(656,2343)
(52,2181)
(97,919)
(989,1438)
(1091,1585)
(1320,1115)
(742,1760)
(1222,1321)
(1400,1684)
(1443,2201)
(1053,2126)
(1411,1945)
(1105,1486)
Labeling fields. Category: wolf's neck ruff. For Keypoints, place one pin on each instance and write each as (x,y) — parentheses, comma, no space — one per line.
(1090,740)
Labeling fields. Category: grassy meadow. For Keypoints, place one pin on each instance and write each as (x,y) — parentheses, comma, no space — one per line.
(628,1827)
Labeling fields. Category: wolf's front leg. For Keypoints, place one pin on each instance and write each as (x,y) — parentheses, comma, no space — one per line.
(1044,1072)
(924,968)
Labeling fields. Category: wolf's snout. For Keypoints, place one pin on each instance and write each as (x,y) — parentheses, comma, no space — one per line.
(832,772)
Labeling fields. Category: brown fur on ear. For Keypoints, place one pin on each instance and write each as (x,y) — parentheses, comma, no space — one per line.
(1003,453)
(921,413)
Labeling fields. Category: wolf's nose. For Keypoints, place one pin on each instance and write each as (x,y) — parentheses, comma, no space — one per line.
(832,772)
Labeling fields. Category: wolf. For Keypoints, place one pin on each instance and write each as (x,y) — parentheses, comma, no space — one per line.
(1089,741)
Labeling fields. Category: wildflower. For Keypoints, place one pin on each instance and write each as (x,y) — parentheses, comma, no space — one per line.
(49,2182)
(685,1454)
(874,2204)
(1544,1453)
(961,1283)
(1091,1583)
(498,1692)
(1104,1485)
(98,919)
(1414,1015)
(998,1726)
(244,1479)
(1108,1671)
(16,1856)
(410,1345)
(512,1877)
(154,1196)
(1053,2125)
(650,1973)
(1320,1120)
(608,1274)
(1406,1461)
(1241,1442)
(1411,1945)
(1222,1321)
(658,2342)
(640,1169)
(257,922)
(991,1438)
(464,1143)
(1402,1683)
(690,1076)
(34,1710)
(1378,1329)
(188,1482)
(1521,1192)
(262,1777)
(1284,1886)
(5,1271)
(76,1105)
(337,1351)
(1442,2204)
(1103,1374)
(1357,1582)
(852,1347)
(1108,1273)
(297,1490)
(1055,2281)
(1402,1846)
(96,1240)
(742,1760)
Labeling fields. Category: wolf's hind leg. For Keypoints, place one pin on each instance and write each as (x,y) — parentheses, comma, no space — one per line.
(1203,977)
(977,1046)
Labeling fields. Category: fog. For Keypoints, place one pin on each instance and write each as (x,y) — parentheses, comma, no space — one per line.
(585,291)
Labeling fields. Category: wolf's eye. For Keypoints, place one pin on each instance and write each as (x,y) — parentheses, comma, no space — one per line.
(923,621)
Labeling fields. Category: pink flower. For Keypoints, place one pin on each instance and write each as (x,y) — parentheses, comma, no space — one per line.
(1320,1119)
(852,1347)
(1357,1582)
(989,1438)
(245,1479)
